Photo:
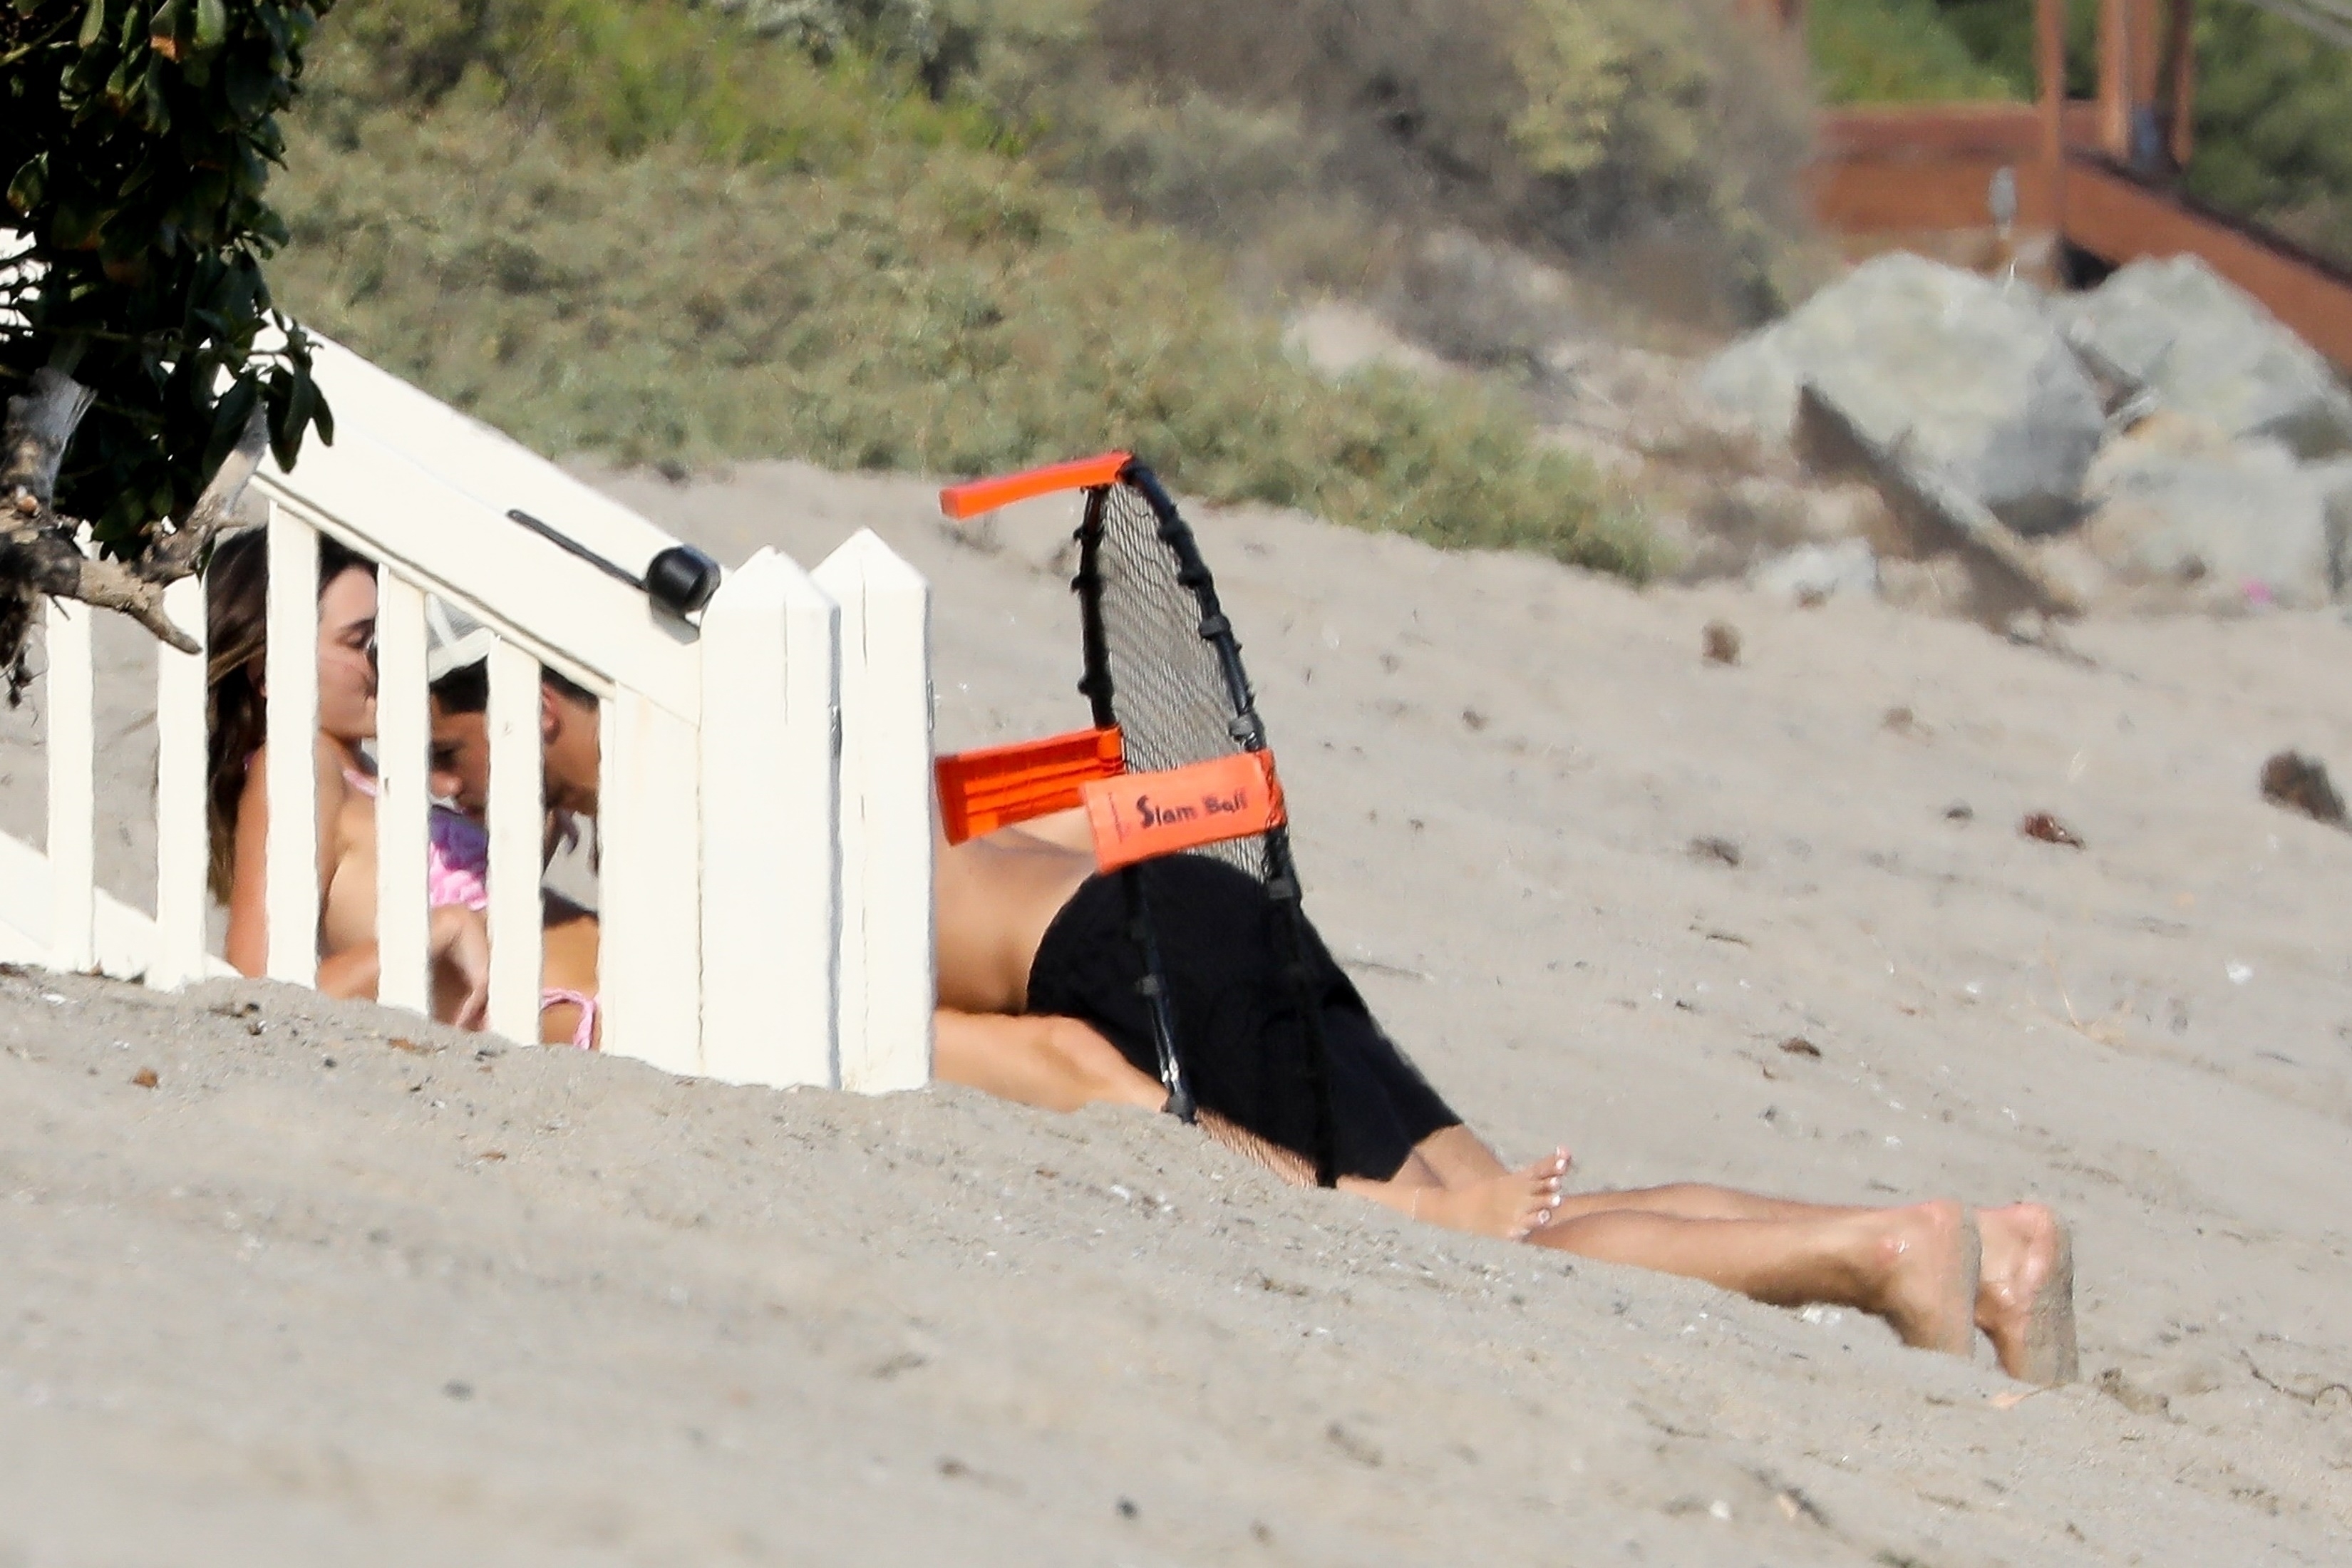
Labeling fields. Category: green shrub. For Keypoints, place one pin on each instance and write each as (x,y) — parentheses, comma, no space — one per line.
(920,307)
(1911,51)
(2275,125)
(1569,127)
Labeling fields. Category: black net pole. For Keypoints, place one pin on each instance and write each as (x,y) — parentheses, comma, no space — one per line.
(1096,686)
(1248,733)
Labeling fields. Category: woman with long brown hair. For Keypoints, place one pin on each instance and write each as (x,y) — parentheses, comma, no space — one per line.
(237,596)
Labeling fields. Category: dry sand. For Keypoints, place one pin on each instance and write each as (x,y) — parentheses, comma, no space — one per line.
(339,1289)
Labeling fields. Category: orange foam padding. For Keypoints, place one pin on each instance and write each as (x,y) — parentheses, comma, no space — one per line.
(997,786)
(969,501)
(1141,816)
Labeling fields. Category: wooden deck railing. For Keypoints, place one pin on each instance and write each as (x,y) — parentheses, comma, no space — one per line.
(2096,173)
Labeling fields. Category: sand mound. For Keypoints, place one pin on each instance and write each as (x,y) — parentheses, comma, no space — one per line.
(341,1287)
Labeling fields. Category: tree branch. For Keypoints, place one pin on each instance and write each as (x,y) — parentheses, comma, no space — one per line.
(40,423)
(38,552)
(174,556)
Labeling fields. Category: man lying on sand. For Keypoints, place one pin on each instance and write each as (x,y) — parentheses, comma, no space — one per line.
(1038,1003)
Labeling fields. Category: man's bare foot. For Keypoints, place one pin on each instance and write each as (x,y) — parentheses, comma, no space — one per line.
(1510,1205)
(1930,1258)
(2026,1300)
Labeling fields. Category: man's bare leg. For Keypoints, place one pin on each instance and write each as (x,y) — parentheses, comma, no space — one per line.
(2027,1304)
(1917,1268)
(1452,1179)
(1511,1205)
(1458,1157)
(1054,1063)
(2025,1298)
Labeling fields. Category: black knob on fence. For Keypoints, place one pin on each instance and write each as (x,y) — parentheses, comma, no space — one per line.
(681,579)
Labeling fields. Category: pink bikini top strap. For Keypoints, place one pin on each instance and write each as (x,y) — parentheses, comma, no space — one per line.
(584,1036)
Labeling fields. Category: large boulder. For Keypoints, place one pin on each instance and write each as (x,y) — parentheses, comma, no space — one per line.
(2208,350)
(1972,370)
(2181,507)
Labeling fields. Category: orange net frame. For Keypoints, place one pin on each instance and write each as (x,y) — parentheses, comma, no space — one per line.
(997,786)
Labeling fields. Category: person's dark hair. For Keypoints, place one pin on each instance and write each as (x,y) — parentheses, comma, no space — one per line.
(236,631)
(563,685)
(467,688)
(464,689)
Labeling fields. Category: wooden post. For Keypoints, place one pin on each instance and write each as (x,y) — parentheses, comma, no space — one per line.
(2050,59)
(2181,82)
(2145,76)
(2115,78)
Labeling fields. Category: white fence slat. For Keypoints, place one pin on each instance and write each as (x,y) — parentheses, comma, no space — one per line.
(889,984)
(770,845)
(290,670)
(650,886)
(125,936)
(71,699)
(183,850)
(403,797)
(518,832)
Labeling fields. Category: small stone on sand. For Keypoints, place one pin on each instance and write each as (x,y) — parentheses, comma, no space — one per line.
(2041,824)
(2301,783)
(1709,847)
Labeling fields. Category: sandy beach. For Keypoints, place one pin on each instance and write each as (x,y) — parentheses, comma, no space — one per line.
(344,1287)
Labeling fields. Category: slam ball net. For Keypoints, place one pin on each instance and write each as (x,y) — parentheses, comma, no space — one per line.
(1163,669)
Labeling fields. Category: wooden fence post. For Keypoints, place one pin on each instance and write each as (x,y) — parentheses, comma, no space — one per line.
(518,819)
(650,886)
(291,668)
(403,805)
(771,827)
(183,846)
(71,697)
(889,986)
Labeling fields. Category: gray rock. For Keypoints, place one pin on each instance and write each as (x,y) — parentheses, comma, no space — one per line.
(1974,371)
(2225,523)
(2209,351)
(1812,572)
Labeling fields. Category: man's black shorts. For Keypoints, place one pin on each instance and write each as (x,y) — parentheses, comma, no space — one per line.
(1238,1029)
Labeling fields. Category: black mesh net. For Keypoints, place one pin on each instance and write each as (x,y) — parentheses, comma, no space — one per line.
(1167,690)
(1179,697)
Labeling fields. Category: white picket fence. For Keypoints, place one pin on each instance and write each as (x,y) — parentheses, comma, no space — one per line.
(764,815)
